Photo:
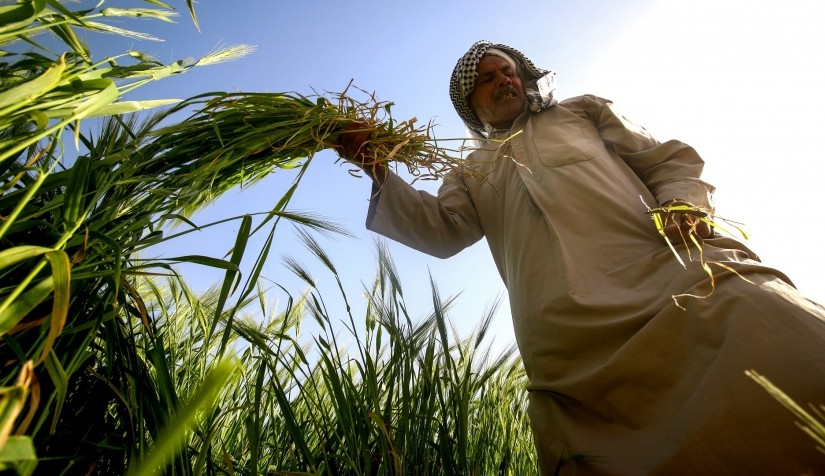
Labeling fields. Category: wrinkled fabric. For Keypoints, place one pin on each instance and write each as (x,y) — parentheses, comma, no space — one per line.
(620,371)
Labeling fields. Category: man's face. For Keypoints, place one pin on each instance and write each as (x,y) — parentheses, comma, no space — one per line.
(497,97)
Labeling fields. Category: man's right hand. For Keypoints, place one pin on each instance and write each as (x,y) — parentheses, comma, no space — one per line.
(353,146)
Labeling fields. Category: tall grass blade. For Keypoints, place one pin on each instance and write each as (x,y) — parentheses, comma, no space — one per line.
(172,438)
(61,279)
(232,277)
(812,423)
(60,379)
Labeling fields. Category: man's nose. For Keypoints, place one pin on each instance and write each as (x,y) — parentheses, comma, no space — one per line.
(501,79)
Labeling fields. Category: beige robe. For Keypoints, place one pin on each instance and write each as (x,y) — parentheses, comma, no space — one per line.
(618,372)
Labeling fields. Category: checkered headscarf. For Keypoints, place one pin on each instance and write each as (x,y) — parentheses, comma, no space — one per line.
(464,77)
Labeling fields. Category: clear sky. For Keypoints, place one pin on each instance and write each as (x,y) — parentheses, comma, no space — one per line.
(740,80)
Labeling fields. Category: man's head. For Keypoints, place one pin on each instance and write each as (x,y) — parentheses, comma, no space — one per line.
(497,97)
(492,84)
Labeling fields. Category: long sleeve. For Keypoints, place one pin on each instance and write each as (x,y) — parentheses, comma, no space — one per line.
(440,226)
(669,169)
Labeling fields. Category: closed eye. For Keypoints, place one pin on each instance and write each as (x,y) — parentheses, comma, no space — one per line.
(485,78)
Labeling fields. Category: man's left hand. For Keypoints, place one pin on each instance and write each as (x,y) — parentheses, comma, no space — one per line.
(680,225)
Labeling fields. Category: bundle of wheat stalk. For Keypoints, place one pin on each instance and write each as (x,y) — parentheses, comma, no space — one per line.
(666,215)
(239,138)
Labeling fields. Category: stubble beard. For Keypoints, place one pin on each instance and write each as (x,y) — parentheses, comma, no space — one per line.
(508,104)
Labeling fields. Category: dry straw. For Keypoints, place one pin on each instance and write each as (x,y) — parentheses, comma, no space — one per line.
(666,215)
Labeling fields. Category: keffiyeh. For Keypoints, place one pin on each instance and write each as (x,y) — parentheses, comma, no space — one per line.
(464,77)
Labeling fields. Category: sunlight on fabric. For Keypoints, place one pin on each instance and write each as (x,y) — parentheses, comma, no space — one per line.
(740,82)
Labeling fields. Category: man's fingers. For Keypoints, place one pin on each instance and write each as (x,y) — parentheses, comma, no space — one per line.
(673,232)
(679,226)
(704,230)
(352,142)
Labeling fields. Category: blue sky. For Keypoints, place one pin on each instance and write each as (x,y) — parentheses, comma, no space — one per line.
(739,80)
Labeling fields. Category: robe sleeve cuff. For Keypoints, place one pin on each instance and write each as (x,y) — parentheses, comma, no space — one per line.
(693,191)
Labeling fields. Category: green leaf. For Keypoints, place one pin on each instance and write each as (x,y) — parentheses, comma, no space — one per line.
(163,15)
(25,93)
(177,216)
(206,261)
(125,107)
(61,277)
(191,5)
(23,305)
(12,400)
(165,380)
(107,94)
(18,455)
(20,14)
(67,34)
(172,437)
(61,384)
(231,278)
(73,201)
(63,10)
(19,253)
(40,120)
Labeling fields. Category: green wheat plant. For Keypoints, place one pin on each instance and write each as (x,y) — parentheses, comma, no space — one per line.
(79,342)
(381,393)
(66,253)
(42,92)
(239,138)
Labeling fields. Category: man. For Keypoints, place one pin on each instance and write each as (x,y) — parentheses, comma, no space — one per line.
(636,364)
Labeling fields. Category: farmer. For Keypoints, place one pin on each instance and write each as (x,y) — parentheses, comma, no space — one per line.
(636,363)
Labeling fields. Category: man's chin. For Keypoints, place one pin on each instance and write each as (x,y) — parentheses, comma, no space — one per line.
(508,113)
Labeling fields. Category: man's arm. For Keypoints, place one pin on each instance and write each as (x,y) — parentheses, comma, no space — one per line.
(440,225)
(671,170)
